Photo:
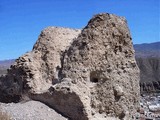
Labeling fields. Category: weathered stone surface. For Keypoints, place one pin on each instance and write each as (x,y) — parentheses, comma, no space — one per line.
(101,63)
(34,72)
(95,78)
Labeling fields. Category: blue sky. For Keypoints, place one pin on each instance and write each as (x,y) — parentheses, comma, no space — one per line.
(21,21)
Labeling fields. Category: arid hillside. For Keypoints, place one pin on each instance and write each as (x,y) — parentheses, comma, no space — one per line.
(148,60)
(147,50)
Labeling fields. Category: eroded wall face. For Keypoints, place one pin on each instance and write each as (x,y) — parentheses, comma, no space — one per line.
(84,75)
(102,59)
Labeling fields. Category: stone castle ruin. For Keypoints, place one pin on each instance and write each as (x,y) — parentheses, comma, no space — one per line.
(88,74)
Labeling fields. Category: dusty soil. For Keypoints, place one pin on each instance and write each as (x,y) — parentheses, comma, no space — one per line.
(31,110)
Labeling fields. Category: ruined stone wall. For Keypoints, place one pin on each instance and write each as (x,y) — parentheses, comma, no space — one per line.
(84,75)
(35,71)
(101,63)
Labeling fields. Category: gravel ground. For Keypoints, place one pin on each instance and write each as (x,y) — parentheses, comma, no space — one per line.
(31,110)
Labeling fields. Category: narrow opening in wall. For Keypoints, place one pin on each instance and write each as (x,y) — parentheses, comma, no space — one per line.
(94,77)
(94,80)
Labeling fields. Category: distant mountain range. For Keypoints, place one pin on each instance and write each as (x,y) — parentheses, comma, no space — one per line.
(4,65)
(148,60)
(147,50)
